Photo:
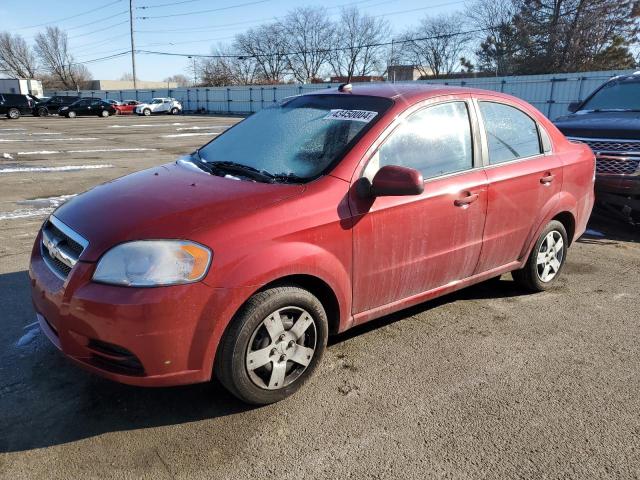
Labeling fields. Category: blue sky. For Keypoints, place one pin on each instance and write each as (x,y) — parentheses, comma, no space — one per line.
(109,30)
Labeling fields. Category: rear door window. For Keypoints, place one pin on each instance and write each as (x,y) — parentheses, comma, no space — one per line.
(511,133)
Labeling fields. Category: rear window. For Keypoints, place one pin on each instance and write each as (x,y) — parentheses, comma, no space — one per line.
(303,137)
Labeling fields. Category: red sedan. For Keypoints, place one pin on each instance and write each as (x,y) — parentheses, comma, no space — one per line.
(126,107)
(324,212)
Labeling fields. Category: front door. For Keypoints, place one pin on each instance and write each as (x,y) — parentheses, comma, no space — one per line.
(404,246)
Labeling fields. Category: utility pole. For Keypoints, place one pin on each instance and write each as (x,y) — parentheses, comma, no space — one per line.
(133,46)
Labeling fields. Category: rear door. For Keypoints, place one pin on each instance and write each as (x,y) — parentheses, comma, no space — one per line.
(523,175)
(407,245)
(3,106)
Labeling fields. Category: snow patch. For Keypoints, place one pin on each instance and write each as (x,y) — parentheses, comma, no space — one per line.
(28,337)
(174,135)
(594,233)
(46,207)
(95,150)
(138,125)
(8,156)
(66,168)
(72,139)
(206,127)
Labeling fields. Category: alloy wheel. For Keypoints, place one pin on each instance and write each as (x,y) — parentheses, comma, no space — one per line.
(281,348)
(14,113)
(550,256)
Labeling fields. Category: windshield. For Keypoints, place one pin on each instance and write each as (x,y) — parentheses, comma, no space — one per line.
(156,100)
(300,138)
(622,94)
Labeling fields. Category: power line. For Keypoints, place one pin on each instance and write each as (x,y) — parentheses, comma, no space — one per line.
(97,21)
(70,17)
(171,4)
(246,22)
(99,30)
(204,11)
(320,50)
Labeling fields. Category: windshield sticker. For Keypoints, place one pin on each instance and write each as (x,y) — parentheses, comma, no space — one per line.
(354,115)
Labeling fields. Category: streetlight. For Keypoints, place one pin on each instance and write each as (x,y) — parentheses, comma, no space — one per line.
(195,80)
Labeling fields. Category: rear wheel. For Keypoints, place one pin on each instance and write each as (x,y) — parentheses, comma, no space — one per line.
(13,113)
(146,112)
(273,345)
(71,114)
(43,112)
(546,259)
(104,113)
(175,111)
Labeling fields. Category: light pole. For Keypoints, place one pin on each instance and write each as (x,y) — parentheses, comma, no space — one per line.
(195,80)
(133,47)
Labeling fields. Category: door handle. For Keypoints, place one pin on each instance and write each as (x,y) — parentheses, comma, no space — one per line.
(547,179)
(465,201)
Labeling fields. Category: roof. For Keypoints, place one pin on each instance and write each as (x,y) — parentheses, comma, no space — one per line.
(408,91)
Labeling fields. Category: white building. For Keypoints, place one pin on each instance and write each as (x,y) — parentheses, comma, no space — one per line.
(21,85)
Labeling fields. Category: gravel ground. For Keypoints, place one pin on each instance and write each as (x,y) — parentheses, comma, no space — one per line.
(488,382)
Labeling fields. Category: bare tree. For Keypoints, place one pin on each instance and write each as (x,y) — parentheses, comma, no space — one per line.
(267,45)
(309,33)
(437,45)
(226,69)
(178,79)
(495,20)
(16,57)
(356,40)
(53,50)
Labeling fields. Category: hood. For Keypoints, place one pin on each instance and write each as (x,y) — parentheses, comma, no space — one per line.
(623,125)
(171,201)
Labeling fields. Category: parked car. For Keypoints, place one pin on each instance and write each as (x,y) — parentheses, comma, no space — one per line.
(609,122)
(160,105)
(88,106)
(13,105)
(53,104)
(305,219)
(126,107)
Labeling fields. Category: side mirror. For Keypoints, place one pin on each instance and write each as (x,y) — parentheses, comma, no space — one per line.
(574,106)
(392,180)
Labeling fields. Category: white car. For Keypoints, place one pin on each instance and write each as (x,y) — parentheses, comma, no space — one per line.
(160,105)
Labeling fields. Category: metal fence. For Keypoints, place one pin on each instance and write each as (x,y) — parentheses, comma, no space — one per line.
(551,94)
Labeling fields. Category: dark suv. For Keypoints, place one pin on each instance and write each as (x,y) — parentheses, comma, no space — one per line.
(53,104)
(13,105)
(609,122)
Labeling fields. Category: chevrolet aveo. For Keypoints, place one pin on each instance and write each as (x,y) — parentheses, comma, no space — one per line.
(307,218)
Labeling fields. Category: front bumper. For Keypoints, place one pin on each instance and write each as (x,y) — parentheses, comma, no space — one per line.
(618,184)
(140,336)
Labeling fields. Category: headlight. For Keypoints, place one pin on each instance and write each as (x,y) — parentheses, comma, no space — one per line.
(147,263)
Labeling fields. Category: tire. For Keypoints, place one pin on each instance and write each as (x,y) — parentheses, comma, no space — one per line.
(13,114)
(174,111)
(43,112)
(247,333)
(104,113)
(71,114)
(146,112)
(546,259)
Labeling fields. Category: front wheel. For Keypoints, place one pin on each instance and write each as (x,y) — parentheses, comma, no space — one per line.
(272,345)
(13,113)
(146,112)
(175,111)
(546,259)
(71,114)
(104,113)
(43,112)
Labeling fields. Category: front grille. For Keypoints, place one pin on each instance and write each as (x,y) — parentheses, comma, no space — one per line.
(614,157)
(617,166)
(61,247)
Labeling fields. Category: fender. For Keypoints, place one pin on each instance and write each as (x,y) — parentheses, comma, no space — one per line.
(265,266)
(560,202)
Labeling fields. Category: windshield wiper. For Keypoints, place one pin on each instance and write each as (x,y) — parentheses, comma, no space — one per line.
(614,110)
(246,170)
